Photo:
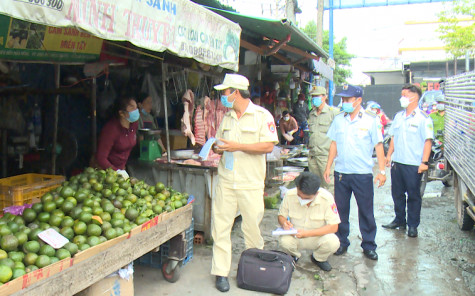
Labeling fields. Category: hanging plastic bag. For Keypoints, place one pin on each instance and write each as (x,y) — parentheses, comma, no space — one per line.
(11,115)
(105,99)
(149,88)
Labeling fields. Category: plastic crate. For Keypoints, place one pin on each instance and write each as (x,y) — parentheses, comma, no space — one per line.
(156,259)
(24,189)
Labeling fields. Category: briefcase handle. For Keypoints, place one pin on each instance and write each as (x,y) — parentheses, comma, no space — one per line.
(268,257)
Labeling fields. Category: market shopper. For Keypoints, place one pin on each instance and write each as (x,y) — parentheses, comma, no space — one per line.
(376,109)
(288,127)
(247,133)
(354,134)
(313,212)
(438,118)
(146,120)
(301,112)
(118,136)
(319,121)
(412,134)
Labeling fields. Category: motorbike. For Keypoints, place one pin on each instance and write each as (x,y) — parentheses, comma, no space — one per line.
(301,136)
(437,167)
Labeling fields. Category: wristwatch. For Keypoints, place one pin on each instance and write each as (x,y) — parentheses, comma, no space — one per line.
(382,173)
(425,162)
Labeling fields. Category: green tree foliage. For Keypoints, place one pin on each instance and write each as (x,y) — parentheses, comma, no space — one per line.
(458,27)
(340,54)
(214,4)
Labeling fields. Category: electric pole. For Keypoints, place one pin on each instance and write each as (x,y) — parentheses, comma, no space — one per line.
(290,11)
(320,8)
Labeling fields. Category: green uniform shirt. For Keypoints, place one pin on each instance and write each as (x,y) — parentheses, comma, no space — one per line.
(439,123)
(319,143)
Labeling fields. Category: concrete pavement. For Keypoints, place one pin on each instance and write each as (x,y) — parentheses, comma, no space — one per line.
(441,261)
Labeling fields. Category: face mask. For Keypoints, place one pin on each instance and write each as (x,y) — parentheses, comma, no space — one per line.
(225,102)
(440,107)
(404,102)
(304,202)
(317,101)
(134,115)
(144,112)
(286,118)
(348,107)
(301,103)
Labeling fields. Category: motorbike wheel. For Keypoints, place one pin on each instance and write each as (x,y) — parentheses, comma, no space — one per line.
(449,182)
(424,180)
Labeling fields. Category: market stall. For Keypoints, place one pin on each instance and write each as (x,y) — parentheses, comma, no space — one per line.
(181,30)
(198,180)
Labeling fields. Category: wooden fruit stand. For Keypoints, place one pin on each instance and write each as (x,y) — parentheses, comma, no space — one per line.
(72,275)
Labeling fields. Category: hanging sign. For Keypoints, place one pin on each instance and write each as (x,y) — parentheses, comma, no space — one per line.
(21,40)
(180,26)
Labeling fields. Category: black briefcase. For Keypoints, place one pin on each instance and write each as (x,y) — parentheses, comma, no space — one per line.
(265,271)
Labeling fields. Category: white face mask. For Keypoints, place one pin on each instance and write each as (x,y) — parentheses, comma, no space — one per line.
(405,101)
(286,118)
(304,202)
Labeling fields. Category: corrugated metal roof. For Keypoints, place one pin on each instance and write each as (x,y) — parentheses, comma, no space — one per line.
(273,29)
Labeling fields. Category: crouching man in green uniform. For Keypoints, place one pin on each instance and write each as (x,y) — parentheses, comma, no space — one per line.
(313,212)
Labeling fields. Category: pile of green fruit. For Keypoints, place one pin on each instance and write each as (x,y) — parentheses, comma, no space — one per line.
(89,209)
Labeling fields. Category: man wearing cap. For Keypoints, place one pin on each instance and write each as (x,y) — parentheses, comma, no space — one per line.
(247,133)
(412,133)
(319,121)
(354,134)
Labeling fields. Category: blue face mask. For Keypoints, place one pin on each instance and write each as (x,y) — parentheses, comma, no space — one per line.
(317,101)
(348,107)
(143,111)
(225,102)
(134,115)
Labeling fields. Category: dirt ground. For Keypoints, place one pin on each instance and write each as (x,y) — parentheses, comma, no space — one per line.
(441,261)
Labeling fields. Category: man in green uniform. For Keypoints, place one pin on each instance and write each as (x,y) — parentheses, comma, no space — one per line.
(319,121)
(439,121)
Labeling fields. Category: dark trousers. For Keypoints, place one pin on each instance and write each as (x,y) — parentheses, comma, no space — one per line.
(362,186)
(406,179)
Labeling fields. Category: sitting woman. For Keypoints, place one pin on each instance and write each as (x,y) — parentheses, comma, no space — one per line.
(118,136)
(147,120)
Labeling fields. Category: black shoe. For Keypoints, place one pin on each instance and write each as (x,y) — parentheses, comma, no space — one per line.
(412,231)
(324,265)
(296,259)
(222,283)
(371,254)
(394,225)
(341,250)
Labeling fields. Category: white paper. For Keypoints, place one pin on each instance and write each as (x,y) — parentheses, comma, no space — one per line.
(281,231)
(53,238)
(204,153)
(228,160)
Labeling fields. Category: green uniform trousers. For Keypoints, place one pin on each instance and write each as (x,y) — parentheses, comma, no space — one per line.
(316,165)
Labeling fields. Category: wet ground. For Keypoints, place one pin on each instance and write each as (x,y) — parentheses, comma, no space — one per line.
(441,261)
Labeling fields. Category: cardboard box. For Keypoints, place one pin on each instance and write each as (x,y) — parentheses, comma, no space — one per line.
(176,141)
(110,286)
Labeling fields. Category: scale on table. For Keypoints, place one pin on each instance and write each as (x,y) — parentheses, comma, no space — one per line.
(149,148)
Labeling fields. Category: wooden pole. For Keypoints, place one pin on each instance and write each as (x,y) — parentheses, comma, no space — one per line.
(164,94)
(55,127)
(94,116)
